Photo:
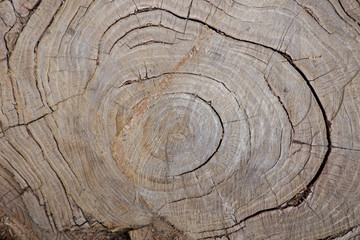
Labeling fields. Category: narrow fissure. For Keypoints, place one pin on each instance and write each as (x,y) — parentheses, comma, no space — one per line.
(305,193)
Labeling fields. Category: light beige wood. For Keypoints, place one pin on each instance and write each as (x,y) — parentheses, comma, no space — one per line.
(196,119)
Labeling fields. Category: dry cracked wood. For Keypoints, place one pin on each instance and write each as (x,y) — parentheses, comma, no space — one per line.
(195,119)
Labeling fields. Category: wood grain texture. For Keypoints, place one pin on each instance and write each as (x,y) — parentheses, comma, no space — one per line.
(195,119)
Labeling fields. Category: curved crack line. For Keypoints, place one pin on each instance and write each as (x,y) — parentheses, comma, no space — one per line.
(343,8)
(313,16)
(221,137)
(3,154)
(220,141)
(291,62)
(200,196)
(235,96)
(150,42)
(317,98)
(341,17)
(10,53)
(35,71)
(325,117)
(58,148)
(282,105)
(24,158)
(341,234)
(137,28)
(306,192)
(61,181)
(44,115)
(128,82)
(288,58)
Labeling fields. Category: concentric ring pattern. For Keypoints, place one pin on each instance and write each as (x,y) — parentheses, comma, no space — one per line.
(206,114)
(179,112)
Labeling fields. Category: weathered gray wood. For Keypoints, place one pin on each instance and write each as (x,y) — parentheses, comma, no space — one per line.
(180,119)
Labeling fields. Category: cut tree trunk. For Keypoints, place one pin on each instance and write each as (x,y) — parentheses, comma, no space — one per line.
(194,119)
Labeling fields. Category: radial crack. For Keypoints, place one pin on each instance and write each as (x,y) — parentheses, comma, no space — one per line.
(288,58)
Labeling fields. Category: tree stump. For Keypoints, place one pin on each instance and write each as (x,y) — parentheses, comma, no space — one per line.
(194,119)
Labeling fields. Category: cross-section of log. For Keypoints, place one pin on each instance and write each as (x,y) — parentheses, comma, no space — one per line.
(196,119)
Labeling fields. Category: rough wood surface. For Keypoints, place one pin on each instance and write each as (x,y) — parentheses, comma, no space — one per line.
(194,119)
